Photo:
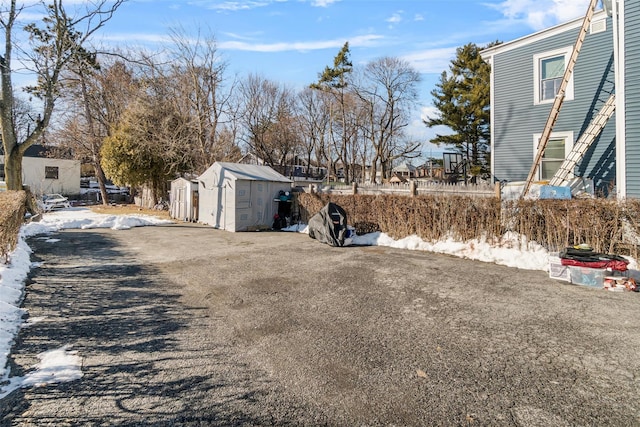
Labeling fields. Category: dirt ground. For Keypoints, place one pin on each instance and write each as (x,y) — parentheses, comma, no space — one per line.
(124,209)
(187,325)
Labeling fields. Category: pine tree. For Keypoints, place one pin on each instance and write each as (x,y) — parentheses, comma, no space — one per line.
(462,97)
(334,80)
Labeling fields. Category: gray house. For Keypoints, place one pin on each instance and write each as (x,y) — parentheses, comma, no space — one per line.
(525,76)
(239,197)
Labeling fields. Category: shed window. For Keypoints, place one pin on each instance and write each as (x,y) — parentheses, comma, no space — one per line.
(51,172)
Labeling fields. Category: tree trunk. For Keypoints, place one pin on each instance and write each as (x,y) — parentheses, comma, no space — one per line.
(97,168)
(13,169)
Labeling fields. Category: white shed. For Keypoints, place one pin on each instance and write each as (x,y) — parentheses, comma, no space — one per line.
(183,200)
(239,197)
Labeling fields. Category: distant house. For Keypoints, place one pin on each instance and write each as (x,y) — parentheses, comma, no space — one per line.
(296,168)
(430,170)
(525,76)
(404,170)
(45,174)
(240,197)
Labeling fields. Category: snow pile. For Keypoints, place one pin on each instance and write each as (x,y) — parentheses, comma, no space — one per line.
(512,250)
(56,365)
(84,218)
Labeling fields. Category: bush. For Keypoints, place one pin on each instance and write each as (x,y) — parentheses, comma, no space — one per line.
(12,210)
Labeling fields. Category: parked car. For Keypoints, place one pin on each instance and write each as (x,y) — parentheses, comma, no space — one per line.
(51,202)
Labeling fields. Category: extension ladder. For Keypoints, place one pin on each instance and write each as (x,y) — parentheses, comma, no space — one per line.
(557,102)
(561,177)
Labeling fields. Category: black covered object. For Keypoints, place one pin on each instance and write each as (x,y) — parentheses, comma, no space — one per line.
(329,225)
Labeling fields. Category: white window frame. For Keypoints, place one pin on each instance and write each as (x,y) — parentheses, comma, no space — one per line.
(537,61)
(568,146)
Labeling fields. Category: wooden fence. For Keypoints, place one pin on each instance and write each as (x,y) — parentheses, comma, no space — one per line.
(410,188)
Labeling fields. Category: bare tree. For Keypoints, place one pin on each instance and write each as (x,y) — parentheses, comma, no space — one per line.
(387,89)
(94,100)
(268,120)
(335,81)
(203,92)
(52,45)
(313,125)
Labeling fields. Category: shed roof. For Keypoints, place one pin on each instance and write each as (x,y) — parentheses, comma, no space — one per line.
(251,172)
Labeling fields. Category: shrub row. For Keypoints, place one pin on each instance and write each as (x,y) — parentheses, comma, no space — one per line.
(12,210)
(607,225)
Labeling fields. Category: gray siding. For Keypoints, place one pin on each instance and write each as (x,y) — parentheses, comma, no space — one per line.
(517,119)
(632,86)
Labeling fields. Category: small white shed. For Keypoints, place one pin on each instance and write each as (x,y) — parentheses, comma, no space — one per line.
(183,200)
(239,197)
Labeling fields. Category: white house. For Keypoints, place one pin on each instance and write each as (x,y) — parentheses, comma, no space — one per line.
(239,197)
(45,174)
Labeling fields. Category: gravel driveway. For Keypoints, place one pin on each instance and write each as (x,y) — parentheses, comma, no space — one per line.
(187,325)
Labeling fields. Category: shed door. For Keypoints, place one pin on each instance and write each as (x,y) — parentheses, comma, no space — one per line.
(181,207)
(243,204)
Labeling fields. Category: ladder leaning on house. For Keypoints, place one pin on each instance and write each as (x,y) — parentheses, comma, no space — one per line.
(561,177)
(557,102)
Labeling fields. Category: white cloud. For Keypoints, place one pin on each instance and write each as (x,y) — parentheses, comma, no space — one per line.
(431,61)
(418,17)
(360,41)
(136,37)
(428,112)
(539,14)
(323,3)
(396,18)
(239,5)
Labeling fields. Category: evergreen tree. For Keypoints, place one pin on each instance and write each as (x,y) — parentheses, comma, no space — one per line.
(335,80)
(462,97)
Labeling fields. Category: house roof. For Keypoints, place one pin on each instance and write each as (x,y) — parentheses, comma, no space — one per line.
(540,35)
(35,150)
(42,151)
(251,172)
(404,167)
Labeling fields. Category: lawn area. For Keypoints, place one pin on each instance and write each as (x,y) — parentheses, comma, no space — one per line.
(124,209)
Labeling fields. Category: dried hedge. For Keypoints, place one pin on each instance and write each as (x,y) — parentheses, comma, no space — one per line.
(607,225)
(12,211)
(430,217)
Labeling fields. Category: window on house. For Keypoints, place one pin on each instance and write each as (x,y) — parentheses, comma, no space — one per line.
(51,172)
(557,149)
(1,172)
(549,70)
(552,158)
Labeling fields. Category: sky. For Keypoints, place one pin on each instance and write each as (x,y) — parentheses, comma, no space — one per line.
(62,364)
(291,41)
